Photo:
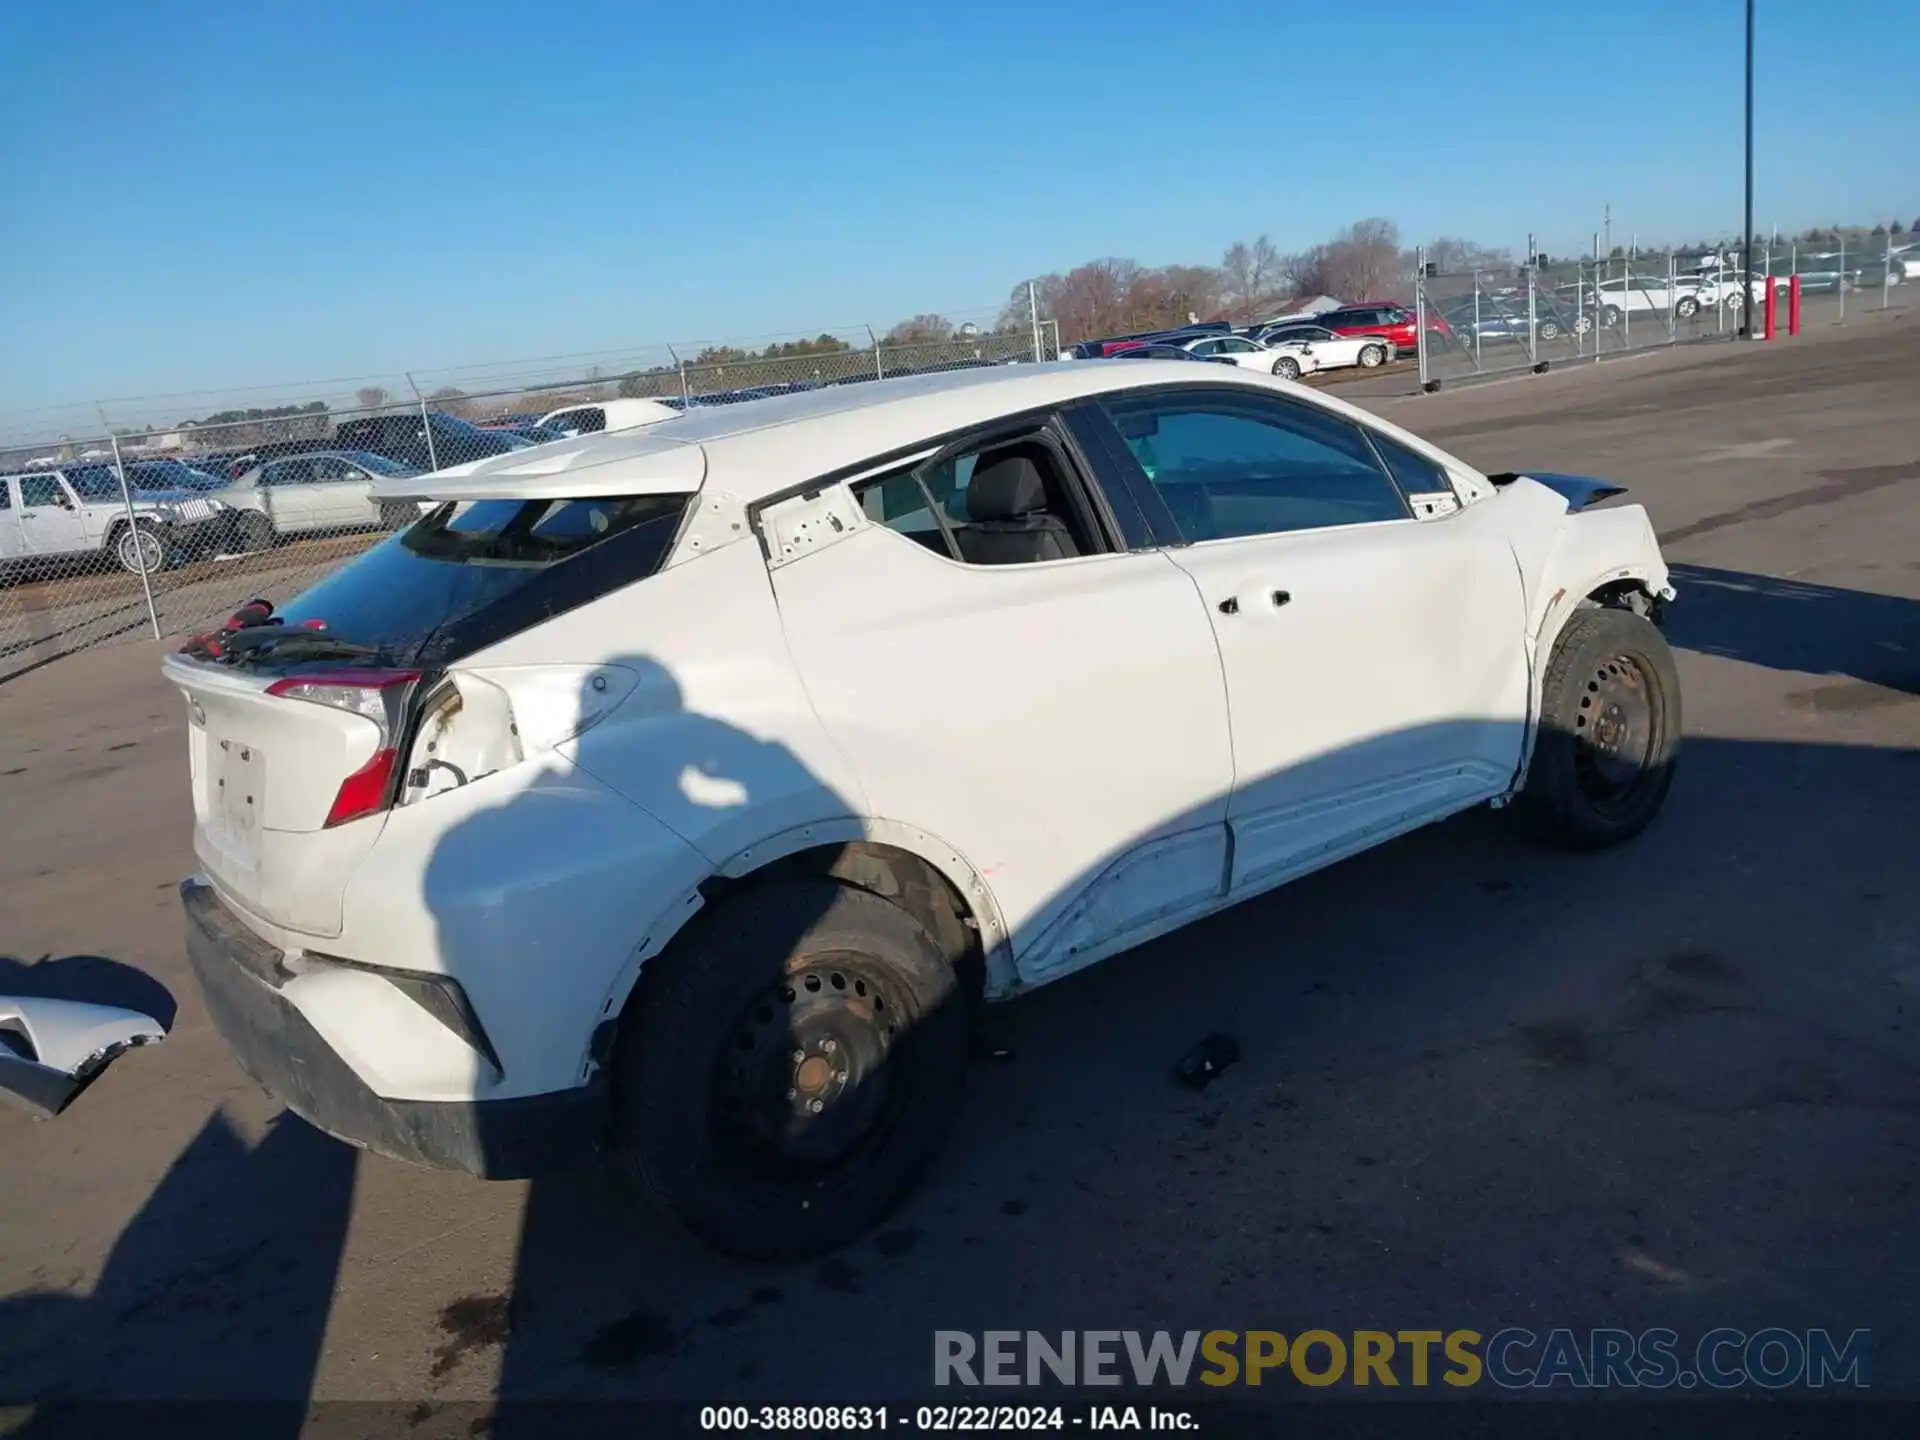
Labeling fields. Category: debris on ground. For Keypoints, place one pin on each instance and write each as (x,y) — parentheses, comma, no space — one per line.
(1199,1067)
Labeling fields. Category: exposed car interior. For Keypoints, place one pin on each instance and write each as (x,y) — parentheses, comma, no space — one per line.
(1009,503)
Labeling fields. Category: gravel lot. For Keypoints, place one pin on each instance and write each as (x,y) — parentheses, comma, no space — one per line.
(1677,1083)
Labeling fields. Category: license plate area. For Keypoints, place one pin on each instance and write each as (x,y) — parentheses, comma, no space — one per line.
(237,776)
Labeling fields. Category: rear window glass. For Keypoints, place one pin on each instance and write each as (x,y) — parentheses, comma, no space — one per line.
(467,575)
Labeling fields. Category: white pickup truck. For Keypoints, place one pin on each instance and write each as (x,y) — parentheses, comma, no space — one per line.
(79,511)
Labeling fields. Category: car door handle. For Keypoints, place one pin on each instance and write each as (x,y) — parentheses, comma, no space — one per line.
(1282,597)
(1230,605)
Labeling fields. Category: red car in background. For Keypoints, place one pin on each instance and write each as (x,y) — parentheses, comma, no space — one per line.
(1385,319)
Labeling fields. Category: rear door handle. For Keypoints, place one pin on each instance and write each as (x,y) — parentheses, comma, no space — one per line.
(1282,597)
(1230,605)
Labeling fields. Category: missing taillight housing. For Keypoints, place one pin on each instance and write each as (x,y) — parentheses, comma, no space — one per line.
(380,696)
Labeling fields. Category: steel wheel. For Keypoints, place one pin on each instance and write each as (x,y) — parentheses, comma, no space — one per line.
(1614,734)
(805,1082)
(1549,330)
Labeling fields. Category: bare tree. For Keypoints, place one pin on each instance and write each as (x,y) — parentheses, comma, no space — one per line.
(451,399)
(1455,255)
(371,397)
(921,330)
(1251,272)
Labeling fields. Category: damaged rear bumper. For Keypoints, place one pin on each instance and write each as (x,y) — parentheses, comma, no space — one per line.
(239,976)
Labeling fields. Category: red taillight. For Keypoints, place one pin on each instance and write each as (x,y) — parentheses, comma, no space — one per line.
(377,695)
(365,791)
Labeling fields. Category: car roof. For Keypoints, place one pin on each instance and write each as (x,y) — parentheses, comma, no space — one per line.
(758,448)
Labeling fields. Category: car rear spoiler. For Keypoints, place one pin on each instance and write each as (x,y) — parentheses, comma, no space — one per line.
(1579,491)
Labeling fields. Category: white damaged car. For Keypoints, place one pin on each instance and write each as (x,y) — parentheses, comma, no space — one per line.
(676,792)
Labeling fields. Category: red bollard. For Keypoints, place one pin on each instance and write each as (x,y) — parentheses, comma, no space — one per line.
(1793,306)
(1766,323)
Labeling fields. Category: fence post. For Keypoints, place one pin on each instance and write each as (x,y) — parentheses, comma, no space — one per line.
(1420,311)
(133,525)
(1033,319)
(426,422)
(1533,309)
(1886,271)
(1673,299)
(1596,325)
(1843,279)
(879,370)
(1626,303)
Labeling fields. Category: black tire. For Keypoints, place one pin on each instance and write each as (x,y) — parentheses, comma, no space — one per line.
(1609,733)
(1549,329)
(397,514)
(1372,357)
(254,533)
(1687,308)
(734,1042)
(139,548)
(1612,315)
(1287,368)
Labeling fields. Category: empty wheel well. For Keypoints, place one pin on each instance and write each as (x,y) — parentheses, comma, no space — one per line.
(1627,595)
(895,875)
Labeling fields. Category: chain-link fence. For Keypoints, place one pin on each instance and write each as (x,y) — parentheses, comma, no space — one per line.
(162,532)
(1547,313)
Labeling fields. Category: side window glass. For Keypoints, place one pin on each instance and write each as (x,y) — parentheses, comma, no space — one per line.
(1230,467)
(1007,503)
(590,421)
(6,495)
(38,490)
(1417,474)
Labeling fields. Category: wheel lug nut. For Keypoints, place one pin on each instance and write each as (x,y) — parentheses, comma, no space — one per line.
(829,1046)
(792,1093)
(798,1056)
(816,1106)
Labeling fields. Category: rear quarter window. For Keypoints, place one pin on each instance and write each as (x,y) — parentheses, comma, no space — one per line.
(469,575)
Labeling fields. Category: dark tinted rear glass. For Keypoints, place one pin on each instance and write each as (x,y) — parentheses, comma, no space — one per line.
(96,482)
(468,575)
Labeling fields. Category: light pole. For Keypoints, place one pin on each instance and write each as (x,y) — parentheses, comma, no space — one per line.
(1746,263)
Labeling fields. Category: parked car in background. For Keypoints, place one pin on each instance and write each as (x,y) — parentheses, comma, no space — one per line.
(232,464)
(308,494)
(1249,354)
(1327,350)
(512,420)
(655,809)
(606,415)
(532,434)
(75,512)
(1390,322)
(1158,351)
(1615,299)
(1505,317)
(159,475)
(407,437)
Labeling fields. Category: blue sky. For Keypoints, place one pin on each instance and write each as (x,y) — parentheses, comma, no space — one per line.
(205,196)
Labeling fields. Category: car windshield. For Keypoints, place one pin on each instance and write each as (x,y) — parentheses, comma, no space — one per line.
(437,590)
